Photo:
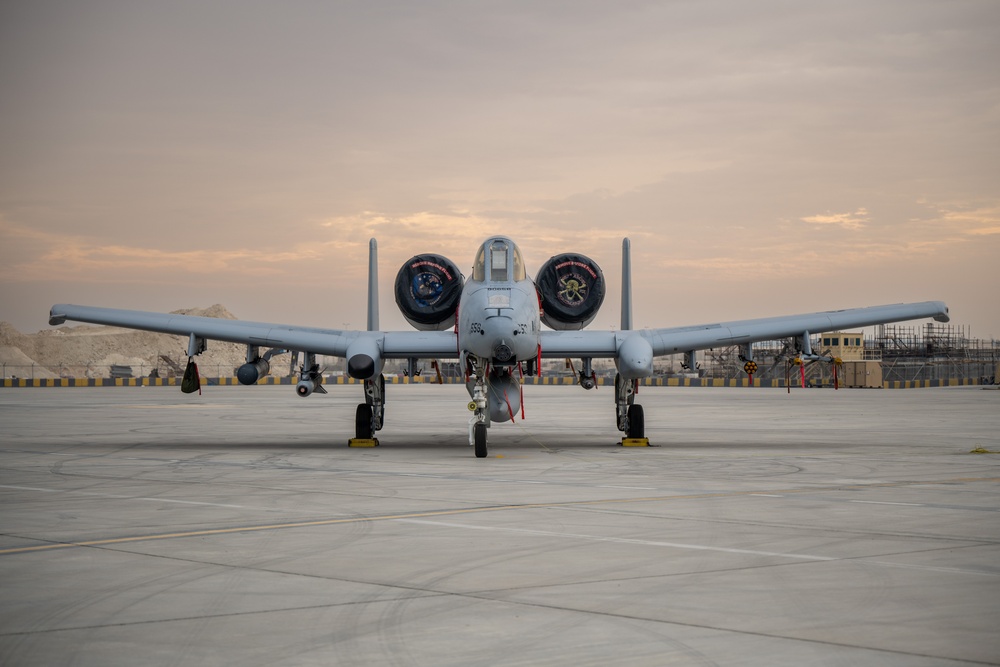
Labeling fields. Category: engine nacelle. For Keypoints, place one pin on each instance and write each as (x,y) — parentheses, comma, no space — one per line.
(570,290)
(252,371)
(428,288)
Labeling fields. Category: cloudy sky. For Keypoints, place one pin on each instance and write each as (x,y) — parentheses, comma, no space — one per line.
(766,157)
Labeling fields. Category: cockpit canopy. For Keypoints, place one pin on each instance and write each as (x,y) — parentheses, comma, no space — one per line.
(499,260)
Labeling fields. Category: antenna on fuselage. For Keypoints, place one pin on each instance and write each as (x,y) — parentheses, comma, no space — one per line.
(626,284)
(373,285)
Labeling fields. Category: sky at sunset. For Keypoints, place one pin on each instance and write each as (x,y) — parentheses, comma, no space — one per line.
(765,158)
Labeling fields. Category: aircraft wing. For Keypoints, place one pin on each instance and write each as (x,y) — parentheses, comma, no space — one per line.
(444,345)
(596,344)
(333,342)
(683,339)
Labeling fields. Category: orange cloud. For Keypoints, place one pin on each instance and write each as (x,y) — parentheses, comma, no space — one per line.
(39,255)
(854,220)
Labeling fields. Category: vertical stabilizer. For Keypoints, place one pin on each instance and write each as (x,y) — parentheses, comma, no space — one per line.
(373,285)
(626,284)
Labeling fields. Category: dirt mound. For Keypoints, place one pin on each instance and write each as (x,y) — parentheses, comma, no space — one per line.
(218,311)
(9,336)
(16,363)
(91,351)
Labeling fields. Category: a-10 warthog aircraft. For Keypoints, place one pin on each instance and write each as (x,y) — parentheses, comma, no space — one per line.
(492,324)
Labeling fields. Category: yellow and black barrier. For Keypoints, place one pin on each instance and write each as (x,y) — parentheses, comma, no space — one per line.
(924,384)
(396,379)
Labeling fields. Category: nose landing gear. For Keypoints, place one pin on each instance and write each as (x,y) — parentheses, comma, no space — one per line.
(478,423)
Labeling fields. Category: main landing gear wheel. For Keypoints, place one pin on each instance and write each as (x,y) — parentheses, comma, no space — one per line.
(636,422)
(479,431)
(363,422)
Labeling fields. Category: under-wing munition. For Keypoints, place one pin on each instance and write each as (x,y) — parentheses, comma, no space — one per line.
(307,385)
(252,371)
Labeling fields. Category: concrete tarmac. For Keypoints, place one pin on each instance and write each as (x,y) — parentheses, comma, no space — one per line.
(144,526)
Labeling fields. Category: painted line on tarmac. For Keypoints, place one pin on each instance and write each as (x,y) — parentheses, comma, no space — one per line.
(177,406)
(617,540)
(697,547)
(885,502)
(252,529)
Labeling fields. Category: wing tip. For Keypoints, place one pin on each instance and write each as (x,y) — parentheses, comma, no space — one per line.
(942,314)
(56,316)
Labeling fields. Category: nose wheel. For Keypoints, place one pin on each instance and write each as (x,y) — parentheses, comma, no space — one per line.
(479,436)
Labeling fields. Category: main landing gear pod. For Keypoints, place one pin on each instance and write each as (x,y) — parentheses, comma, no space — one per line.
(364,362)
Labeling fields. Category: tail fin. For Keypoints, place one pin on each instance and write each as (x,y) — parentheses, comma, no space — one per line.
(626,284)
(373,285)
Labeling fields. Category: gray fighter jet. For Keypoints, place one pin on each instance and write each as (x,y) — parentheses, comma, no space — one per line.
(492,324)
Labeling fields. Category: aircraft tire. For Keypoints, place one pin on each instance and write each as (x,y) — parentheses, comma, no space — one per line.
(636,421)
(363,422)
(479,431)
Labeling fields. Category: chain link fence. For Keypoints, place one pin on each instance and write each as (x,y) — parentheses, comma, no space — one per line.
(101,371)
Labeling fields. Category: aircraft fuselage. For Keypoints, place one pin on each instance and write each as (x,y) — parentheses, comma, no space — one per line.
(498,320)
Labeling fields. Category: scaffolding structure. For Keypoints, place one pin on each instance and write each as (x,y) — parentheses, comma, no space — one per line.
(935,352)
(906,353)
